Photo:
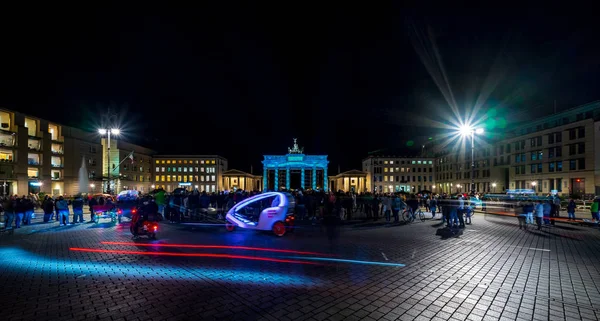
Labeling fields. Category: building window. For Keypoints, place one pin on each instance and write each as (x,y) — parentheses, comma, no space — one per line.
(572,133)
(558,137)
(533,167)
(158,169)
(539,168)
(581,162)
(559,151)
(551,167)
(581,132)
(572,149)
(559,166)
(581,148)
(572,165)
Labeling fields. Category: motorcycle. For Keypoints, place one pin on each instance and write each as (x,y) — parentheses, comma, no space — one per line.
(148,228)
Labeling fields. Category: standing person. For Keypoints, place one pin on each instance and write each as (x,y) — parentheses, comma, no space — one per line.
(92,204)
(396,206)
(387,205)
(29,206)
(528,209)
(63,209)
(539,214)
(78,210)
(595,209)
(557,206)
(433,207)
(9,211)
(48,207)
(547,209)
(571,209)
(523,216)
(20,210)
(461,211)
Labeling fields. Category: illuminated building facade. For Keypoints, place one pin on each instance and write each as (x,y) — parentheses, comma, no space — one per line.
(396,174)
(558,154)
(37,155)
(351,181)
(234,179)
(295,170)
(202,172)
(130,166)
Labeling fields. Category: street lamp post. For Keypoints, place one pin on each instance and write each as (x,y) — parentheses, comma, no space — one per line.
(468,130)
(494,186)
(93,186)
(534,183)
(108,132)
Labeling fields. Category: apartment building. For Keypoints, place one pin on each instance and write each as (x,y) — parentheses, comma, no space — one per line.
(202,172)
(555,154)
(396,173)
(37,155)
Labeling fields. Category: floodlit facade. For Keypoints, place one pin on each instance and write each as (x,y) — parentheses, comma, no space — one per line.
(387,174)
(129,165)
(295,170)
(351,181)
(555,154)
(37,155)
(202,172)
(234,179)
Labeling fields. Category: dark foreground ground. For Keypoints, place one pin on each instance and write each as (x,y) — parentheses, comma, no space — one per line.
(492,271)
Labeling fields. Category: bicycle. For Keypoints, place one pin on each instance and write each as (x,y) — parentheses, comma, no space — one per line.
(409,216)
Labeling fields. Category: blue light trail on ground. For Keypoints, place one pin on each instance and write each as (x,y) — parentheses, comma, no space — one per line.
(345,261)
(17,260)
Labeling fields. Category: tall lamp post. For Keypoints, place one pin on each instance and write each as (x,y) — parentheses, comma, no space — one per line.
(468,130)
(108,133)
(533,184)
(494,186)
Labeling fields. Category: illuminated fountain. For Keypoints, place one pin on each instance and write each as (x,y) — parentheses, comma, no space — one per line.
(83,178)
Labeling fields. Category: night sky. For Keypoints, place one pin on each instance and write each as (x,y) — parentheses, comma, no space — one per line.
(243,80)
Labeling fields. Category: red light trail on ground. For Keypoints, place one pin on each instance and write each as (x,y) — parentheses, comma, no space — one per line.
(228,247)
(223,256)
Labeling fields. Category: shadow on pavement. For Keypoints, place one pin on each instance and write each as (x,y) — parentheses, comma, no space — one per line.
(447,233)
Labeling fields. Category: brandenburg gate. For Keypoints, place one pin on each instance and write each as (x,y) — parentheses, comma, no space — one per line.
(282,167)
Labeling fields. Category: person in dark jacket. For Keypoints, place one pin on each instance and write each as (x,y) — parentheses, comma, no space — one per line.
(78,210)
(20,211)
(92,203)
(48,206)
(29,208)
(9,211)
(571,209)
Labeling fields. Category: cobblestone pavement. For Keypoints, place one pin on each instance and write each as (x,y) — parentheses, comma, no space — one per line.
(493,271)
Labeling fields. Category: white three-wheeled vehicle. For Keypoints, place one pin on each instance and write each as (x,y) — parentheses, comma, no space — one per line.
(270,211)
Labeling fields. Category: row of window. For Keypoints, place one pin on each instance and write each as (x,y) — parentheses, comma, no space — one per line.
(574,164)
(401,178)
(186,169)
(402,170)
(185,161)
(185,178)
(398,162)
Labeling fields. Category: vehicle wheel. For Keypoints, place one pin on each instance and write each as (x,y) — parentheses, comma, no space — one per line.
(279,228)
(421,216)
(229,227)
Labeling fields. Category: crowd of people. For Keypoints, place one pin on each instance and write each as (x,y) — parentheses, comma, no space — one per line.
(309,205)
